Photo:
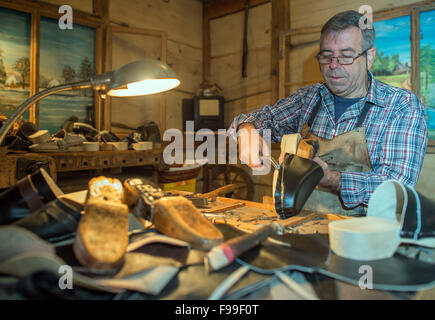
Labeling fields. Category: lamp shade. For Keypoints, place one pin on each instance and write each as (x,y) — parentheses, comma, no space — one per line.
(142,77)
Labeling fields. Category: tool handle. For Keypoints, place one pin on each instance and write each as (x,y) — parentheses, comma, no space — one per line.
(243,243)
(220,191)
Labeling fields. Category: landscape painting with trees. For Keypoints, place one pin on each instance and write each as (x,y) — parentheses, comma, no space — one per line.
(66,56)
(427,67)
(393,61)
(14,59)
(392,64)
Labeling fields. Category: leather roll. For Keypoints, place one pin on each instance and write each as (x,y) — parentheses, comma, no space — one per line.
(297,179)
(27,195)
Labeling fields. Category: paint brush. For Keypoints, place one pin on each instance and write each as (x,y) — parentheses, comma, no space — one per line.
(224,254)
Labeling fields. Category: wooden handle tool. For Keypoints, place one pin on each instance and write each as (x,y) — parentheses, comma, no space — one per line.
(225,253)
(218,192)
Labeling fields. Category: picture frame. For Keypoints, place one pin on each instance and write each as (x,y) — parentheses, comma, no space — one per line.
(36,12)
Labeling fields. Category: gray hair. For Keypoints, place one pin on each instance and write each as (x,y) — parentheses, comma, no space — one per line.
(348,19)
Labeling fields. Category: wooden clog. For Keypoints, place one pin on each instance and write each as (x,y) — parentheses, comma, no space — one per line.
(177,217)
(102,235)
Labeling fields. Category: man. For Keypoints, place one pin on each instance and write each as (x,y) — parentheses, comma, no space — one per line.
(393,119)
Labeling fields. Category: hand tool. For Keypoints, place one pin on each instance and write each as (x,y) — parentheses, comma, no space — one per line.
(225,253)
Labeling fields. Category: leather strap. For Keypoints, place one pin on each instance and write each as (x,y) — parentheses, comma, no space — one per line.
(315,111)
(363,114)
(29,193)
(418,221)
(361,118)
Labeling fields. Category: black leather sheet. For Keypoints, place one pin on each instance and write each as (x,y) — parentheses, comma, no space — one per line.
(311,253)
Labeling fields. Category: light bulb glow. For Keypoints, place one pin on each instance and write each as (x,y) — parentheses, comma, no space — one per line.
(145,87)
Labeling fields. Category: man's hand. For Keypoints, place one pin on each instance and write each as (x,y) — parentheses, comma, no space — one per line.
(250,145)
(331,179)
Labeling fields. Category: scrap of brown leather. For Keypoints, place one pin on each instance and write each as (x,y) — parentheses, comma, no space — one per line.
(346,152)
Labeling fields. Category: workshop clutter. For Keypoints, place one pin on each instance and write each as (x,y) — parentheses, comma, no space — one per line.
(96,231)
(179,177)
(27,195)
(397,214)
(78,137)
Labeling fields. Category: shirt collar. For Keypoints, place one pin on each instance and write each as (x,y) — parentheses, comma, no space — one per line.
(373,96)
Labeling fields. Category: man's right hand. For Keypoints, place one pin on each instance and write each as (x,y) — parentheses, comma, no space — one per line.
(250,145)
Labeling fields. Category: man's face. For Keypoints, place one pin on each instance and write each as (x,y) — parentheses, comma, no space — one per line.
(346,81)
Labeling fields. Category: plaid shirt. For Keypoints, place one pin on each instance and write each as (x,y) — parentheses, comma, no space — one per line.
(396,132)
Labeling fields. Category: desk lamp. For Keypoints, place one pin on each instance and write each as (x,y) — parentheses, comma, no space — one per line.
(138,78)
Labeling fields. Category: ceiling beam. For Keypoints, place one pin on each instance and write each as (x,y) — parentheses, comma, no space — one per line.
(218,8)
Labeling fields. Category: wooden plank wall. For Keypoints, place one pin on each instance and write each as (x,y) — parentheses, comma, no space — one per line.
(182,20)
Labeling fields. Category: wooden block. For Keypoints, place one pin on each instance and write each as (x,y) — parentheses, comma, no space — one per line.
(177,217)
(290,143)
(305,150)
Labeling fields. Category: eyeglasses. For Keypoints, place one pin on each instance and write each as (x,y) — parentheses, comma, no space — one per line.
(343,60)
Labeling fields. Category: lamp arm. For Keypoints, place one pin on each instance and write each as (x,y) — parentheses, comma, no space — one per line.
(35,98)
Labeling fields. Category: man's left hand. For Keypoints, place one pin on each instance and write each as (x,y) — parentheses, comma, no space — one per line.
(331,179)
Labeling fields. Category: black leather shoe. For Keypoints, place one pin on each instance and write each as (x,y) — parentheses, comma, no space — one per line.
(27,195)
(140,195)
(297,179)
(57,220)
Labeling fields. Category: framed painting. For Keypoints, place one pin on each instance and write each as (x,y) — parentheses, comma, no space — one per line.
(66,56)
(427,67)
(392,64)
(14,59)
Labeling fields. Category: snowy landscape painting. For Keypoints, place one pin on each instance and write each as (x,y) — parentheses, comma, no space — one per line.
(14,59)
(66,56)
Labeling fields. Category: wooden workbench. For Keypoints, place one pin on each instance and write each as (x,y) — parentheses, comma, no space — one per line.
(61,162)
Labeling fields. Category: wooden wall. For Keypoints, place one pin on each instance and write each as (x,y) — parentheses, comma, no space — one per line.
(182,20)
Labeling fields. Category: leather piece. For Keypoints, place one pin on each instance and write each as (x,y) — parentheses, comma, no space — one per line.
(14,205)
(297,179)
(29,194)
(309,254)
(140,195)
(55,221)
(419,219)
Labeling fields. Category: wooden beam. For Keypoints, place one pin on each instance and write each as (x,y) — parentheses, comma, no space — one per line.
(279,65)
(206,47)
(99,68)
(415,52)
(100,9)
(218,8)
(34,66)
